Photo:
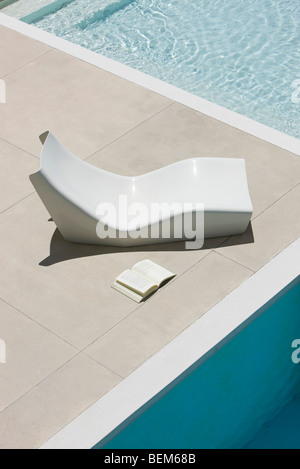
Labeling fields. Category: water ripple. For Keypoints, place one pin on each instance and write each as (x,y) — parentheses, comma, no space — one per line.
(241,54)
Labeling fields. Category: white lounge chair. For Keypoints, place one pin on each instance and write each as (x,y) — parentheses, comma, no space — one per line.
(78,197)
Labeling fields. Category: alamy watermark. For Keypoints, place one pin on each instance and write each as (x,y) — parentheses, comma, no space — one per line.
(2,351)
(2,92)
(156,220)
(296,353)
(296,92)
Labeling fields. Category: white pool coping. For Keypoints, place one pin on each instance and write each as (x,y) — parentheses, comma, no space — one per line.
(183,354)
(208,108)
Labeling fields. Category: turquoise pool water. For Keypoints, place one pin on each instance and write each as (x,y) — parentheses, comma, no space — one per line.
(246,395)
(241,54)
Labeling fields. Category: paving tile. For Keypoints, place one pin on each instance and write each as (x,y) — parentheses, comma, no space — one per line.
(32,353)
(167,313)
(72,299)
(17,50)
(70,293)
(273,231)
(84,106)
(272,172)
(52,404)
(174,134)
(178,133)
(16,166)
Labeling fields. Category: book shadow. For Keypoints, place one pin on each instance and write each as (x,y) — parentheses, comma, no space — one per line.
(61,250)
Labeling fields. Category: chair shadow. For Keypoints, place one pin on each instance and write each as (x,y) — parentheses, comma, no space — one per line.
(61,250)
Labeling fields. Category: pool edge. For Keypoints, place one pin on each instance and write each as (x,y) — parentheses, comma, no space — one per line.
(208,108)
(100,422)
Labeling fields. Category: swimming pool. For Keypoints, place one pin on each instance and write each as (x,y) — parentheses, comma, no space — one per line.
(245,395)
(242,55)
(99,424)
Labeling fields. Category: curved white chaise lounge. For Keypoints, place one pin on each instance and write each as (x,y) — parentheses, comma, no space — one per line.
(81,198)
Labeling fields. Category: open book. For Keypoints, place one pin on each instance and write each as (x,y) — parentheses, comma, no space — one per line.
(144,278)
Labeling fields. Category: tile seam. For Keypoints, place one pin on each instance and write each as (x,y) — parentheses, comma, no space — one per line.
(39,383)
(27,63)
(141,305)
(130,130)
(76,349)
(19,148)
(275,201)
(16,203)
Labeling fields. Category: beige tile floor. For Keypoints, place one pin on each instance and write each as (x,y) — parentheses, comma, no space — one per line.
(70,338)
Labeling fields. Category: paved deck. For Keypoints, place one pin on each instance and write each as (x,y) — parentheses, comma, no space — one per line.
(70,337)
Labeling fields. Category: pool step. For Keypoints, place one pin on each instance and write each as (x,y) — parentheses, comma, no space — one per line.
(103,13)
(46,10)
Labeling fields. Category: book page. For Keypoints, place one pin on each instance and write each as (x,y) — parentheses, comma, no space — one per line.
(153,271)
(136,282)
